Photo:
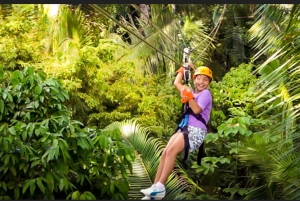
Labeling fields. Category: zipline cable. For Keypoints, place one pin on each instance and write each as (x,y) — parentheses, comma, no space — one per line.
(136,35)
(213,32)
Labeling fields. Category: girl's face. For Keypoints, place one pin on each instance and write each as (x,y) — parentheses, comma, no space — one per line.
(201,82)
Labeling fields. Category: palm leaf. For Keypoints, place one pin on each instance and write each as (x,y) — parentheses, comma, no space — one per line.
(160,47)
(276,36)
(68,33)
(148,151)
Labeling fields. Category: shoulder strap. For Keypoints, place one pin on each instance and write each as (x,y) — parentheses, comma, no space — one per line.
(197,116)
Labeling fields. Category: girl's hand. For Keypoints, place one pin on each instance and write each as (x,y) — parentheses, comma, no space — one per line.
(181,69)
(186,94)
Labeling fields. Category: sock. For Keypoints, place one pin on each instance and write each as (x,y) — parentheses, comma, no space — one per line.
(160,186)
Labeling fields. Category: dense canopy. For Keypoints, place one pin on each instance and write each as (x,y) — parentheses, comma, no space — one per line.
(87,101)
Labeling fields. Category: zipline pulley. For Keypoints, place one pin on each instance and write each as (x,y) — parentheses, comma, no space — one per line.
(187,68)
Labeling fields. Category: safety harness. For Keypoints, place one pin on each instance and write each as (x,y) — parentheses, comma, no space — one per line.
(183,128)
(186,111)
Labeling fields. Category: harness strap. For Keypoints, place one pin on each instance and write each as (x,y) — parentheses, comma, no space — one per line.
(184,121)
(185,133)
(184,129)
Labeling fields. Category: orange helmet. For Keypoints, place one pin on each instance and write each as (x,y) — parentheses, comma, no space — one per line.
(203,70)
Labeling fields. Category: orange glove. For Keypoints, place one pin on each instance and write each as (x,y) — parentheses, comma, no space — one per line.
(180,70)
(186,95)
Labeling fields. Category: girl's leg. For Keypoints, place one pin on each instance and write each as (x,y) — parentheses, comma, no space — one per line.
(166,165)
(163,156)
(171,152)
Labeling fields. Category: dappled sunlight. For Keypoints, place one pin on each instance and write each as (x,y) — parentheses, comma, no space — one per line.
(51,10)
(128,129)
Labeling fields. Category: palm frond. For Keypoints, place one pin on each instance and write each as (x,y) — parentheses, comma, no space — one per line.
(268,30)
(68,33)
(132,33)
(148,151)
(279,85)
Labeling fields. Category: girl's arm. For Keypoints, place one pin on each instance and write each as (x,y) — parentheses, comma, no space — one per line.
(192,103)
(178,82)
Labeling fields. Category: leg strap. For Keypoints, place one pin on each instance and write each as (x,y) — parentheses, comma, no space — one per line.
(185,133)
(201,154)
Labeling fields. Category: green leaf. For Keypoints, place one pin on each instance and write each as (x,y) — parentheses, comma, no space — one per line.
(25,169)
(11,185)
(43,139)
(30,71)
(12,130)
(10,98)
(24,135)
(34,163)
(31,129)
(112,187)
(4,95)
(31,80)
(221,128)
(37,132)
(242,129)
(32,187)
(75,195)
(227,131)
(50,181)
(1,106)
(27,115)
(89,195)
(13,170)
(224,160)
(61,184)
(211,137)
(234,129)
(233,150)
(7,157)
(16,193)
(5,144)
(38,89)
(55,143)
(36,104)
(1,73)
(43,130)
(51,155)
(15,77)
(41,185)
(243,120)
(3,185)
(28,183)
(21,166)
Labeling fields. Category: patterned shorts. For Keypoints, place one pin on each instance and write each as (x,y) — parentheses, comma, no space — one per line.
(196,137)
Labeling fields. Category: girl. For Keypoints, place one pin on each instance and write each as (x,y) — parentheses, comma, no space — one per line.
(200,102)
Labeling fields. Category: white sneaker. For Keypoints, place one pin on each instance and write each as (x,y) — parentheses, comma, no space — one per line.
(150,198)
(147,189)
(153,192)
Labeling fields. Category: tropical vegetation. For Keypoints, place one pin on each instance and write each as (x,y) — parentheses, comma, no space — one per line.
(87,103)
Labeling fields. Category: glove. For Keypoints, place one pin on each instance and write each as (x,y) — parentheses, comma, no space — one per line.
(180,70)
(186,95)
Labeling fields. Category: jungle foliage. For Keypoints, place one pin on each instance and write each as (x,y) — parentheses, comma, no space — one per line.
(87,102)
